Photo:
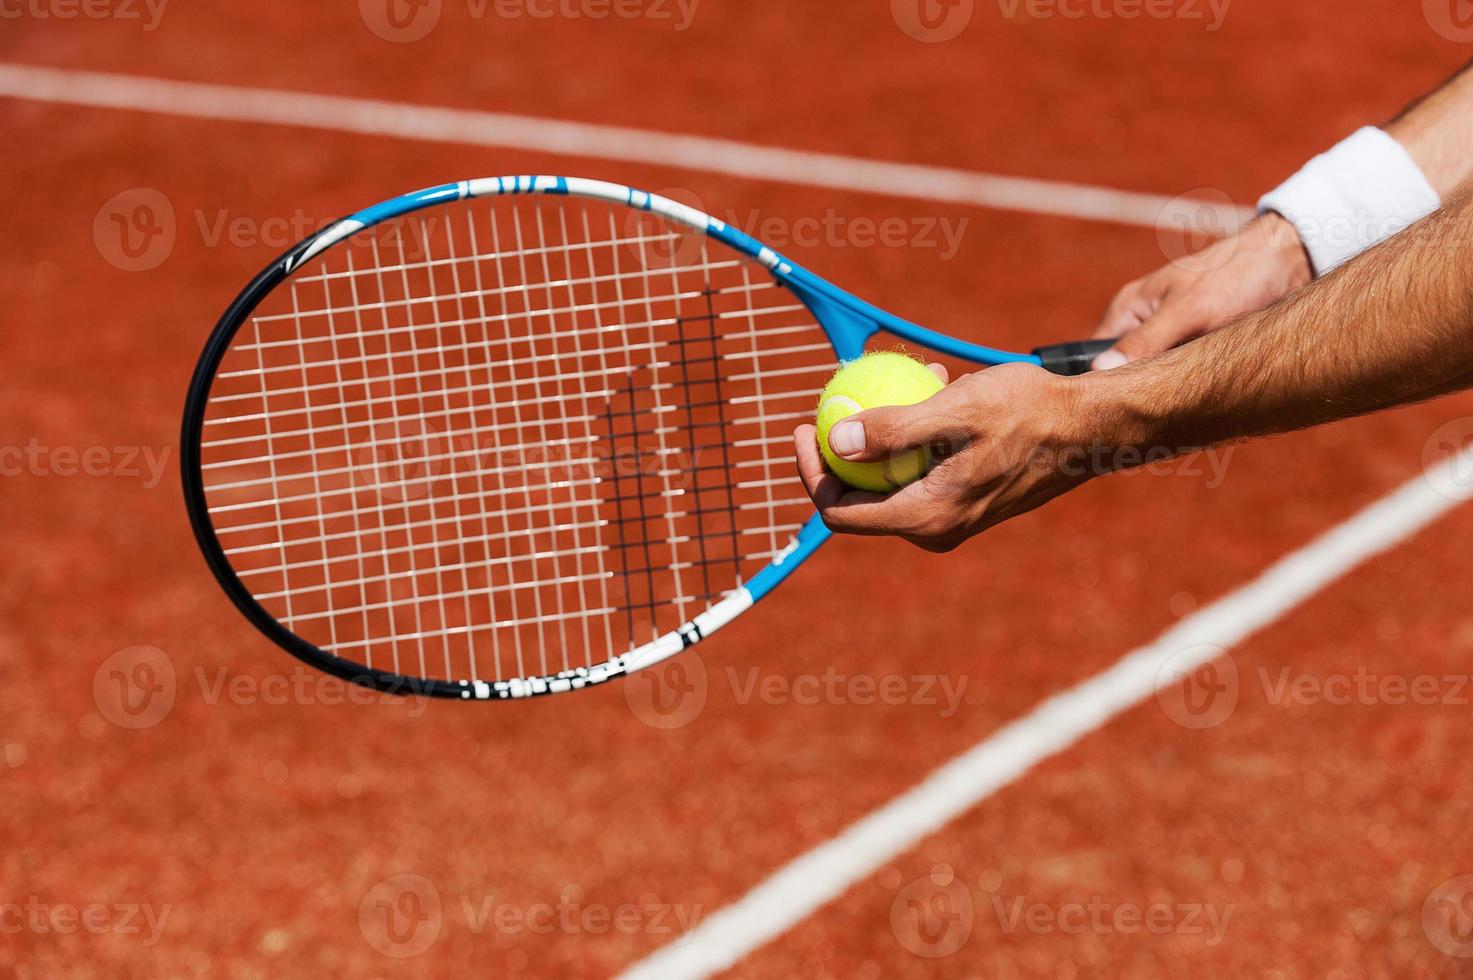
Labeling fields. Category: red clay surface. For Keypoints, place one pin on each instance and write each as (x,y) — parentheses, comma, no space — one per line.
(262,821)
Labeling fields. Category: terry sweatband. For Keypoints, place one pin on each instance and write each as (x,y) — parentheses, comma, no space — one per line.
(1360,193)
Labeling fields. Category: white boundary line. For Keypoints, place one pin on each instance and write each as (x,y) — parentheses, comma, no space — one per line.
(814,879)
(402,120)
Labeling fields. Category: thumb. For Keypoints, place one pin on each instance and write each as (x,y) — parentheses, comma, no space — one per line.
(1172,324)
(879,433)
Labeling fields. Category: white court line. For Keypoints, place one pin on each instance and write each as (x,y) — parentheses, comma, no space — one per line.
(813,879)
(596,142)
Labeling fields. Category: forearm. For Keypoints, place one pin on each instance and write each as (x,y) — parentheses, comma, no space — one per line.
(1437,130)
(1395,325)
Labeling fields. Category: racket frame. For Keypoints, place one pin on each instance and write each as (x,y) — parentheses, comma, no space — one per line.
(847,320)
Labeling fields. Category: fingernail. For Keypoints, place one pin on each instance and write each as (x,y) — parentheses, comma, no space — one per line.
(847,438)
(1109,359)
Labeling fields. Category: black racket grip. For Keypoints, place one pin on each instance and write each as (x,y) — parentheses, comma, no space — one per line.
(1072,358)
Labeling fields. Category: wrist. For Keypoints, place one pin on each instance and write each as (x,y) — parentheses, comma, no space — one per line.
(1113,414)
(1359,193)
(1278,237)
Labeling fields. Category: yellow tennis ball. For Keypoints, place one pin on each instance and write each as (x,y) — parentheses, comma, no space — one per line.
(874,381)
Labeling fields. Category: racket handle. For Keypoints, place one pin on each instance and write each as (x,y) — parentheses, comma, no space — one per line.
(1072,358)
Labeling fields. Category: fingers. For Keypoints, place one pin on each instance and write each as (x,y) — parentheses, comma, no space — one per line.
(871,514)
(822,486)
(883,432)
(826,489)
(940,371)
(1142,317)
(1128,310)
(1177,321)
(1197,294)
(847,511)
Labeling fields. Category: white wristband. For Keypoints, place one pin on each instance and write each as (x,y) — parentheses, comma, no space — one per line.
(1360,193)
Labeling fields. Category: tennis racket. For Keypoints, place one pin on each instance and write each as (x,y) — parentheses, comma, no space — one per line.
(519,435)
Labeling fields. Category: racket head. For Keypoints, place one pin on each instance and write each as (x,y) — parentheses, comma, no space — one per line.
(388,443)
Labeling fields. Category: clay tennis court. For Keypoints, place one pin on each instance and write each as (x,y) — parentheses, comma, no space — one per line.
(867,776)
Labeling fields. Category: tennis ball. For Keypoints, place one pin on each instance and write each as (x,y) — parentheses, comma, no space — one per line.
(874,381)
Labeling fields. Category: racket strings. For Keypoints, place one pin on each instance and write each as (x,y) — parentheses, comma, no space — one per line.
(547,438)
(430,263)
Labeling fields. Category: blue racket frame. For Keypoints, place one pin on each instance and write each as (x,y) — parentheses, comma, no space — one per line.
(848,321)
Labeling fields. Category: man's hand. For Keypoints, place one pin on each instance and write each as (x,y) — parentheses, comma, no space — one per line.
(1001,444)
(1393,326)
(1194,296)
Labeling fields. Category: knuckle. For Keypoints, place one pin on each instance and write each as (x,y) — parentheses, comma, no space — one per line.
(1130,291)
(831,520)
(1155,286)
(876,429)
(1119,305)
(1132,303)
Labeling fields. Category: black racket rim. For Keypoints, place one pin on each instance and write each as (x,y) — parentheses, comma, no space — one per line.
(192,478)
